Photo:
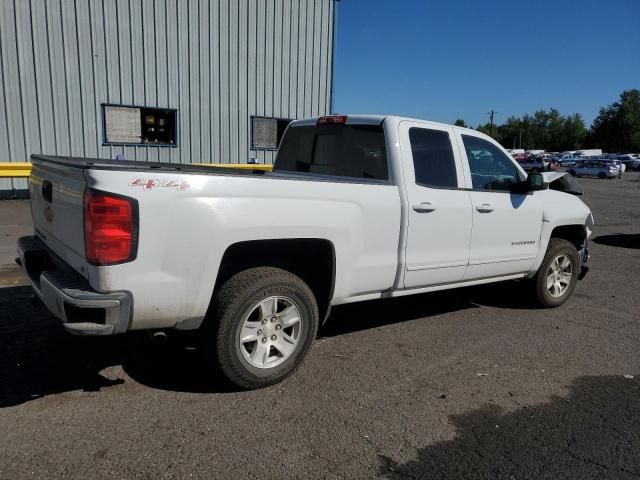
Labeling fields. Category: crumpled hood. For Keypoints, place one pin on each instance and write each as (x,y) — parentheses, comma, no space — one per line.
(551,176)
(563,182)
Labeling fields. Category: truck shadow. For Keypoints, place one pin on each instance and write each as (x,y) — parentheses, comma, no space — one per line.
(38,358)
(359,316)
(623,240)
(591,433)
(376,313)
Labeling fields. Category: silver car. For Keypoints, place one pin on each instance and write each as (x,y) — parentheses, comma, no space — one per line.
(595,168)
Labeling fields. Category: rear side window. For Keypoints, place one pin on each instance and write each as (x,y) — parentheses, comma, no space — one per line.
(433,160)
(356,151)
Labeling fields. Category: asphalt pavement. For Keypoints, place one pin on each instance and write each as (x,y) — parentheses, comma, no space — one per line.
(15,221)
(472,383)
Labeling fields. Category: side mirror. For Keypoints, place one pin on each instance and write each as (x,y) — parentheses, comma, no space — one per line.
(534,182)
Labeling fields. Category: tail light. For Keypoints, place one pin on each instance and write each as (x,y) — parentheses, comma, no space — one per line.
(110,228)
(332,119)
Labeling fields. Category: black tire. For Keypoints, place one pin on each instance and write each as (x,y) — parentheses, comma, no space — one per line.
(572,172)
(556,248)
(602,175)
(234,300)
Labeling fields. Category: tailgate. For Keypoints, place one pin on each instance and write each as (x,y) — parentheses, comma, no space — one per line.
(56,191)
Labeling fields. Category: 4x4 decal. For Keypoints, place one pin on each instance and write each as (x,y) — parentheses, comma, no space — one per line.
(149,183)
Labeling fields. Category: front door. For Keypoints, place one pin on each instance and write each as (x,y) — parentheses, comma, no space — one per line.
(439,212)
(506,226)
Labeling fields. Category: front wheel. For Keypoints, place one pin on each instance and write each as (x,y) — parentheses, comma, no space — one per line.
(558,274)
(264,322)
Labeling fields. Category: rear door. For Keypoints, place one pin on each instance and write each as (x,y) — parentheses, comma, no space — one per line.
(439,212)
(506,225)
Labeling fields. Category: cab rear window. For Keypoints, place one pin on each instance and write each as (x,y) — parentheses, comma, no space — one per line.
(355,151)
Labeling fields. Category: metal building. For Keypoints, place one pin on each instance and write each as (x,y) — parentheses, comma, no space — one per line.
(161,80)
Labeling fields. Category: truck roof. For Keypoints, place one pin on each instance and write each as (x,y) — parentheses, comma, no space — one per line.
(370,119)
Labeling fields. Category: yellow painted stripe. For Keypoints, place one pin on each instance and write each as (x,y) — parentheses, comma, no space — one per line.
(23,169)
(242,166)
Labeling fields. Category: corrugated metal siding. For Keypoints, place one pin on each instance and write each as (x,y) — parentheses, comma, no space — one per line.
(217,62)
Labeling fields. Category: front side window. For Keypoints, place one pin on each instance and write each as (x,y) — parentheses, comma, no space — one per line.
(490,168)
(433,160)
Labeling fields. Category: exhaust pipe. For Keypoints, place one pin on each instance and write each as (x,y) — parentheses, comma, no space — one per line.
(159,338)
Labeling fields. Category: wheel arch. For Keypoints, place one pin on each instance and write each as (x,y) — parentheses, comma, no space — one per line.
(311,259)
(575,233)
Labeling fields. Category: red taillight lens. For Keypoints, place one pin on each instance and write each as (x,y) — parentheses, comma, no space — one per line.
(332,119)
(110,228)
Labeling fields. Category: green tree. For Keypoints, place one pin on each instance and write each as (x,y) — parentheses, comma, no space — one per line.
(460,123)
(543,129)
(617,126)
(574,132)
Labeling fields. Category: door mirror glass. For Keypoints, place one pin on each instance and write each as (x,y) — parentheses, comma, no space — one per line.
(535,181)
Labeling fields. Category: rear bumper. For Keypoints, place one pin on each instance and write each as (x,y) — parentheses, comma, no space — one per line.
(69,297)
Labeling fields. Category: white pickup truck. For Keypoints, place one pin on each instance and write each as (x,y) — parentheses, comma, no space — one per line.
(357,208)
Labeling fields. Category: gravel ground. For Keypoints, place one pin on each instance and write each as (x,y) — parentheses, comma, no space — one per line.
(462,384)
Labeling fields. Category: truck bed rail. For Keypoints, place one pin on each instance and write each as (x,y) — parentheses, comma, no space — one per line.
(23,169)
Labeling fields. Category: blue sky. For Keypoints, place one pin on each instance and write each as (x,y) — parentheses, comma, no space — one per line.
(442,60)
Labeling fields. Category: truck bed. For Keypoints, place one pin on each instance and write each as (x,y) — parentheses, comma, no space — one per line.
(137,166)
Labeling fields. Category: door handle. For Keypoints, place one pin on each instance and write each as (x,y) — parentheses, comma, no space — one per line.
(424,207)
(484,208)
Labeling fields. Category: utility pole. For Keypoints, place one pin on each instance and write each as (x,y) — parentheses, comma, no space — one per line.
(491,123)
(520,137)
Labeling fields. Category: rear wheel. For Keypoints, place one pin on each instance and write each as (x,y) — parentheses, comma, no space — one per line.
(264,322)
(558,274)
(572,172)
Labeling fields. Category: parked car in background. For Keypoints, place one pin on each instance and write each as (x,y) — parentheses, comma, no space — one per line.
(595,168)
(546,159)
(631,161)
(553,164)
(622,166)
(533,164)
(567,160)
(593,152)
